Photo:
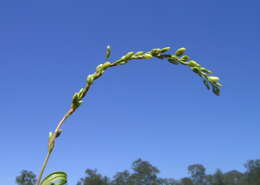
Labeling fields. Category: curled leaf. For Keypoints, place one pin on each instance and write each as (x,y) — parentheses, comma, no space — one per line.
(55,178)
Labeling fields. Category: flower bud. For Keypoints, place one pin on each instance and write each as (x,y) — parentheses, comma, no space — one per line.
(155,51)
(216,91)
(196,70)
(173,58)
(50,135)
(213,79)
(75,97)
(139,53)
(147,56)
(128,55)
(123,62)
(193,63)
(219,84)
(185,58)
(205,70)
(108,52)
(165,49)
(206,83)
(99,67)
(58,133)
(81,93)
(90,79)
(180,52)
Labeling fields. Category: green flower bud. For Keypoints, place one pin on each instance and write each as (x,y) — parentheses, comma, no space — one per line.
(180,52)
(50,135)
(97,74)
(90,79)
(165,49)
(173,58)
(185,58)
(128,55)
(99,67)
(58,133)
(75,97)
(147,56)
(108,52)
(196,70)
(193,63)
(205,70)
(216,91)
(139,53)
(213,79)
(155,51)
(218,84)
(206,83)
(123,62)
(81,93)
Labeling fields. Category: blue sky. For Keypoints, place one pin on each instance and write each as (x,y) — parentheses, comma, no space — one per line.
(146,109)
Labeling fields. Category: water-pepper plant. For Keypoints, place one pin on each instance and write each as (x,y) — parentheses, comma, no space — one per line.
(177,58)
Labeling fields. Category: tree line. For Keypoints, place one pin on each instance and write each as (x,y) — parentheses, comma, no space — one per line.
(144,173)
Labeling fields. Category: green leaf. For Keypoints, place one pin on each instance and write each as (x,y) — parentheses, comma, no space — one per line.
(55,178)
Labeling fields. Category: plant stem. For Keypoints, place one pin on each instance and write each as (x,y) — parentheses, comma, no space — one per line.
(43,167)
(52,141)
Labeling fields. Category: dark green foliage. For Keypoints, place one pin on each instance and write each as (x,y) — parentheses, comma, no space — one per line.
(234,178)
(26,178)
(198,175)
(93,178)
(186,181)
(144,173)
(218,178)
(253,172)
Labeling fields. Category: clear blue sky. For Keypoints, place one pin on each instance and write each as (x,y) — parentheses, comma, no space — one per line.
(149,109)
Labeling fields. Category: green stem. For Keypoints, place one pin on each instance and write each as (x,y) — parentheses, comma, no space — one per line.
(43,168)
(51,143)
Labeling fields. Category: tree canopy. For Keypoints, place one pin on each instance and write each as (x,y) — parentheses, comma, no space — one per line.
(144,173)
